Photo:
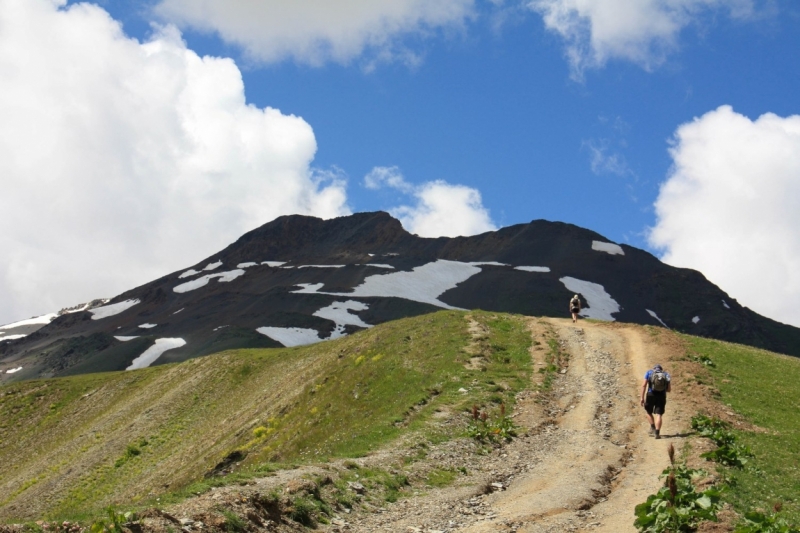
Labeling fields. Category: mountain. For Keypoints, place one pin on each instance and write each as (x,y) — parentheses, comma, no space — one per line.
(299,279)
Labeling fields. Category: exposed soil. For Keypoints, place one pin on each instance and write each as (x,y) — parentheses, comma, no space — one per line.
(583,460)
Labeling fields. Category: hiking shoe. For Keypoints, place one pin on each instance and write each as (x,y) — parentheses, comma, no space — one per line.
(652,432)
(658,435)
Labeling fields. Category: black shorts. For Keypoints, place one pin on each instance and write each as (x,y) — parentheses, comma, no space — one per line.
(575,310)
(655,404)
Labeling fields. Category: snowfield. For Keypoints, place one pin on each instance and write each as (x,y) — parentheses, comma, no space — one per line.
(113,309)
(654,315)
(11,337)
(44,319)
(202,281)
(532,269)
(291,336)
(607,247)
(601,304)
(423,284)
(150,355)
(339,312)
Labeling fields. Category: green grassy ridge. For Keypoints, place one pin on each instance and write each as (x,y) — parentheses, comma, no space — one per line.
(75,445)
(764,387)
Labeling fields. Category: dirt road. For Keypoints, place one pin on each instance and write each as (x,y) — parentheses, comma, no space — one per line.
(586,461)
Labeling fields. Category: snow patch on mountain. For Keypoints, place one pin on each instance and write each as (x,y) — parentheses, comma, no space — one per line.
(487,263)
(246,265)
(150,355)
(11,337)
(213,266)
(188,273)
(273,263)
(726,304)
(291,336)
(339,312)
(13,370)
(600,304)
(532,269)
(423,284)
(126,338)
(379,265)
(696,319)
(44,319)
(147,326)
(654,315)
(113,309)
(607,247)
(309,288)
(320,266)
(202,281)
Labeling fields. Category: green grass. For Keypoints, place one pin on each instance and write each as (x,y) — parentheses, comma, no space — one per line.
(73,446)
(765,389)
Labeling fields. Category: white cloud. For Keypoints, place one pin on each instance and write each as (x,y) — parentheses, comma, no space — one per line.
(380,177)
(729,208)
(641,31)
(121,161)
(317,31)
(604,161)
(440,209)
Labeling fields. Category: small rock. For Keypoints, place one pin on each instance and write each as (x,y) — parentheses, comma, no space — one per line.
(496,486)
(462,390)
(356,487)
(186,521)
(338,522)
(563,371)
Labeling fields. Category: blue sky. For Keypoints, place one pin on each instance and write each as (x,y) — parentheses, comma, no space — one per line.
(565,110)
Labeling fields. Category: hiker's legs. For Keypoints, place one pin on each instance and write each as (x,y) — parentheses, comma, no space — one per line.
(574,317)
(657,422)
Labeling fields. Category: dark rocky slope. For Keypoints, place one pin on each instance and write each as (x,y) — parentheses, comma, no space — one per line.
(615,282)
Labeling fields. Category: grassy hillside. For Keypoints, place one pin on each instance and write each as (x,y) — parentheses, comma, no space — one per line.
(765,388)
(72,446)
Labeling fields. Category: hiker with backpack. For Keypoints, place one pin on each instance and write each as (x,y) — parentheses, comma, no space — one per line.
(655,387)
(575,307)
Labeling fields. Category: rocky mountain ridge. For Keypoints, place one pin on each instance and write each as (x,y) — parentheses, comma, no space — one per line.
(301,279)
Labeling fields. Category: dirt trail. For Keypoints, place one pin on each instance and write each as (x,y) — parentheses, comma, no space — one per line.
(587,459)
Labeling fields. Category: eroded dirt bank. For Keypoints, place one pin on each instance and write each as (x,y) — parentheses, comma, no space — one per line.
(583,459)
(587,458)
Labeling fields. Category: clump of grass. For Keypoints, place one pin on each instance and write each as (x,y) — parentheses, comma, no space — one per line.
(233,522)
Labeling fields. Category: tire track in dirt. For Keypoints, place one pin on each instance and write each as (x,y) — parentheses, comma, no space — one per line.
(605,462)
(587,459)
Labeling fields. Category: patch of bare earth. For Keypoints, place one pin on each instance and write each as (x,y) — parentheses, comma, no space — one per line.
(583,461)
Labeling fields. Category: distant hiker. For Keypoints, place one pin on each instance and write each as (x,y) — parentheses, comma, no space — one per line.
(655,387)
(575,307)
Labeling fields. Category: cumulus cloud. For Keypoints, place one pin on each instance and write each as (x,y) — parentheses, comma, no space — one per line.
(317,31)
(440,209)
(729,208)
(641,31)
(121,161)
